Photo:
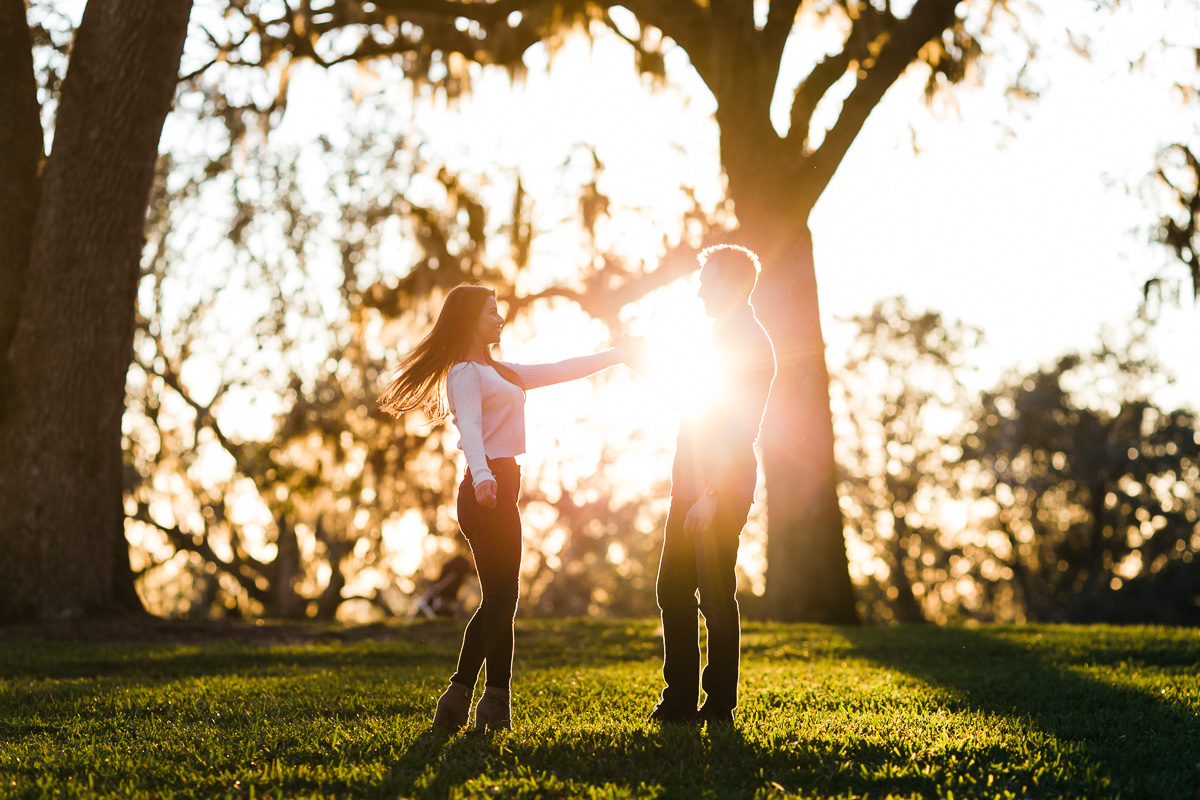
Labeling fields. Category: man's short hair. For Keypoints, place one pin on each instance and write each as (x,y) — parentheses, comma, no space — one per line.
(734,260)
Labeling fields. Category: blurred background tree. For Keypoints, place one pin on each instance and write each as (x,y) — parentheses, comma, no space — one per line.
(901,399)
(1093,492)
(1176,181)
(1065,494)
(262,480)
(329,471)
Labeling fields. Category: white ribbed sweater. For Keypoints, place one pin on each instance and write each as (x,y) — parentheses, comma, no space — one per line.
(489,412)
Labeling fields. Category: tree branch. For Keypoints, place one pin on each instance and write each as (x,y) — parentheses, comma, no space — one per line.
(867,29)
(199,545)
(809,93)
(648,61)
(1182,239)
(607,290)
(781,18)
(903,44)
(205,418)
(683,21)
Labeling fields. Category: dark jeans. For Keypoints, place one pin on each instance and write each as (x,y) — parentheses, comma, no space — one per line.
(703,563)
(495,538)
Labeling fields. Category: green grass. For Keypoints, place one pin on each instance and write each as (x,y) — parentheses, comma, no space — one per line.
(825,712)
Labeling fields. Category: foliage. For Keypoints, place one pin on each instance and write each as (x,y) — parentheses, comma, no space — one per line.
(1062,494)
(271,322)
(901,400)
(1092,486)
(262,479)
(901,712)
(1177,179)
(1179,229)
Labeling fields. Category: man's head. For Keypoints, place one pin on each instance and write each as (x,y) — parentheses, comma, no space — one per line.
(728,273)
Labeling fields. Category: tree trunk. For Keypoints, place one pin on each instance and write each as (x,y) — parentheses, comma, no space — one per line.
(288,604)
(807,578)
(61,514)
(21,143)
(807,570)
(905,605)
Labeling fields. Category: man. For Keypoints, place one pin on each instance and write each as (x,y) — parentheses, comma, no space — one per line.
(712,488)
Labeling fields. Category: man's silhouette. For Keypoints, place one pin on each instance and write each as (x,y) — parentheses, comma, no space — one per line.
(712,488)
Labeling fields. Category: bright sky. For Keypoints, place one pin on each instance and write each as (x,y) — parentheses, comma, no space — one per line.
(1025,222)
(1039,238)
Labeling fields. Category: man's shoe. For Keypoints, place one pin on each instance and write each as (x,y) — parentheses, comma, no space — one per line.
(668,715)
(714,719)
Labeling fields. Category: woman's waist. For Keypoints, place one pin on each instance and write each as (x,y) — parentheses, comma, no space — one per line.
(501,464)
(503,461)
(499,441)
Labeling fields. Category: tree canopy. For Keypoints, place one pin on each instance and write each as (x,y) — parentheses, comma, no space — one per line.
(331,473)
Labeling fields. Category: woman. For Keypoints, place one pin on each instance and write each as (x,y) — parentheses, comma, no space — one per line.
(452,373)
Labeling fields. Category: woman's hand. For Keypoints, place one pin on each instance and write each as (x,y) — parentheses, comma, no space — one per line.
(485,493)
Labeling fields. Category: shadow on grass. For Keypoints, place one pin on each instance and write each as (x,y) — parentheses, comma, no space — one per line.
(1144,743)
(497,765)
(158,664)
(415,644)
(672,763)
(540,644)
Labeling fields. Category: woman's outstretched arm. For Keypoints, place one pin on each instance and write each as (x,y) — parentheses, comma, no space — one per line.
(535,375)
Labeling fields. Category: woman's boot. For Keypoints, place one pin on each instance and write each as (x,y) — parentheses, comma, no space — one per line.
(494,710)
(453,707)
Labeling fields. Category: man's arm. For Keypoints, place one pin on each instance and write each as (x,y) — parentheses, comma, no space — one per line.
(753,387)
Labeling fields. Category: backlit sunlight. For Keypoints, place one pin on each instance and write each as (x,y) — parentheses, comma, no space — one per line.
(682,359)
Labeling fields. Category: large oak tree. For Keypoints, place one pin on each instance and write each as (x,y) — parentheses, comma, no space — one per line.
(775,178)
(71,236)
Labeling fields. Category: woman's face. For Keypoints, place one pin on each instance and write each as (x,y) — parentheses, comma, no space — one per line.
(487,330)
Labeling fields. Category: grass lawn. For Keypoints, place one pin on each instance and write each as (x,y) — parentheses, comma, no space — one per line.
(918,712)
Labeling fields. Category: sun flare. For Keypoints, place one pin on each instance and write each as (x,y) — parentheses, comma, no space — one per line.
(682,362)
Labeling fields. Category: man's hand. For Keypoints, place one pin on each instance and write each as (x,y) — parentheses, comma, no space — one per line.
(633,351)
(485,493)
(700,515)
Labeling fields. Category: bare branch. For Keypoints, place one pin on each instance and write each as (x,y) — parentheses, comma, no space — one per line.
(781,18)
(903,43)
(205,417)
(809,93)
(1182,239)
(871,27)
(607,290)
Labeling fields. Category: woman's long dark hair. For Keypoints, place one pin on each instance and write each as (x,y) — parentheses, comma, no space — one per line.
(421,379)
